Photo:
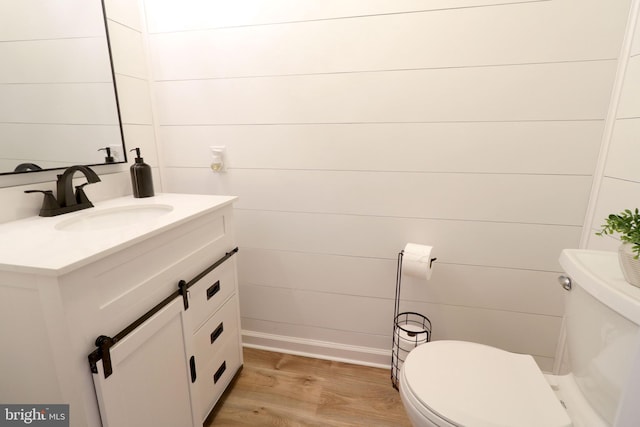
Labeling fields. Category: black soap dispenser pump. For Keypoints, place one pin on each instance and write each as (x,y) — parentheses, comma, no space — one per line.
(141,179)
(108,158)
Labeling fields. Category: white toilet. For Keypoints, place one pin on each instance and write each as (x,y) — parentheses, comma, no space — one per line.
(456,383)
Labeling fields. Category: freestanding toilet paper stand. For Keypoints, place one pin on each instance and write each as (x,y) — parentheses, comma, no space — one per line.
(410,329)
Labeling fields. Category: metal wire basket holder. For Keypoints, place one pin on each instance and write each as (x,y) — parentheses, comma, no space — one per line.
(410,329)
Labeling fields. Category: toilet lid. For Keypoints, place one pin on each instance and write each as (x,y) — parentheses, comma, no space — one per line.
(475,385)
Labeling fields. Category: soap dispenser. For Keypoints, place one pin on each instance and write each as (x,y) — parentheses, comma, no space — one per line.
(141,179)
(108,158)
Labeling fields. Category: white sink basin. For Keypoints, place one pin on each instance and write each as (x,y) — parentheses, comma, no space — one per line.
(118,217)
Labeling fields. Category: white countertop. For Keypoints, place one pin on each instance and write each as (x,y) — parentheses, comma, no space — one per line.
(34,245)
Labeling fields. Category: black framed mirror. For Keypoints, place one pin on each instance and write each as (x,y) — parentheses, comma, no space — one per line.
(58,97)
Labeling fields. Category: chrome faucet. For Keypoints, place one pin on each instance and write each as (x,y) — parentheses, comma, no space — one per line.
(67,200)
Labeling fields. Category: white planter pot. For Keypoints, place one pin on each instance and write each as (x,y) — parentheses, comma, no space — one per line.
(629,265)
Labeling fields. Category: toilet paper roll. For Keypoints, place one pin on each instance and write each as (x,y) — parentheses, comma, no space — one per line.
(407,337)
(410,336)
(417,260)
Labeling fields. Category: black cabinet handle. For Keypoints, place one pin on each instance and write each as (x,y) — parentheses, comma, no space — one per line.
(219,372)
(192,365)
(213,289)
(217,332)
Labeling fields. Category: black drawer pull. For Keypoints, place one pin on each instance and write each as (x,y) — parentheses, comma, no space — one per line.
(214,289)
(219,372)
(192,365)
(218,331)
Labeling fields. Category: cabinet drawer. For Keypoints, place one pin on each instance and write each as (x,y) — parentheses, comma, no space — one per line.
(208,294)
(214,333)
(214,376)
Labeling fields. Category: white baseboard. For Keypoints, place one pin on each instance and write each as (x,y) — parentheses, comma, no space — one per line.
(346,353)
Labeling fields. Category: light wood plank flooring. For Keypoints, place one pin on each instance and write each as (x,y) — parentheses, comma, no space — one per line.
(275,389)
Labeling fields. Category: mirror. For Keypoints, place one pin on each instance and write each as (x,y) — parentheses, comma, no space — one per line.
(58,102)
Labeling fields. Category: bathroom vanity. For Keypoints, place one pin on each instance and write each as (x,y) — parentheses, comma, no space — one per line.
(128,312)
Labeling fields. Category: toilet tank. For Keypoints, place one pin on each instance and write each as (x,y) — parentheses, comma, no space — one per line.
(602,321)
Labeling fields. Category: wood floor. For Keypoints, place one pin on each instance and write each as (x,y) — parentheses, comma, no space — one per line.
(275,389)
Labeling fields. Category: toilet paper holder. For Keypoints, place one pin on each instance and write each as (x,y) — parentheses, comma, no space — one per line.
(410,329)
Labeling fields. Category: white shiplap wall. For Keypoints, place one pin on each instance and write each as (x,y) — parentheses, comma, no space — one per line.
(51,27)
(619,181)
(354,127)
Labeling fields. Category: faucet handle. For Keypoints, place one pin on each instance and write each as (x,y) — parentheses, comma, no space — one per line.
(49,203)
(81,196)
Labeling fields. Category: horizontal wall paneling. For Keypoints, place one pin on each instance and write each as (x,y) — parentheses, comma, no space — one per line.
(514,93)
(620,163)
(355,127)
(505,330)
(163,16)
(504,289)
(497,147)
(629,106)
(526,246)
(459,38)
(453,196)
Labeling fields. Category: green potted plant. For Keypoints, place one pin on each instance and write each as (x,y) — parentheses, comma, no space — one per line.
(627,225)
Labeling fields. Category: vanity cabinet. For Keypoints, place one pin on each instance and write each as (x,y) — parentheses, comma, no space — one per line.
(163,290)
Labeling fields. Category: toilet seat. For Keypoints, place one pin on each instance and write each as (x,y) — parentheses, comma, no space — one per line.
(468,384)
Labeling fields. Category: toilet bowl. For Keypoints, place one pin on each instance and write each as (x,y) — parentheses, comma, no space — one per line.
(457,383)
